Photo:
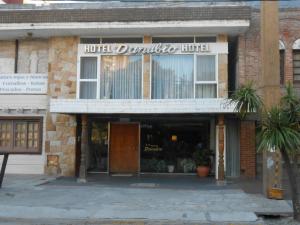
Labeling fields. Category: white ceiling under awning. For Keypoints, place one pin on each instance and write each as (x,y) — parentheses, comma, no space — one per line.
(45,30)
(142,106)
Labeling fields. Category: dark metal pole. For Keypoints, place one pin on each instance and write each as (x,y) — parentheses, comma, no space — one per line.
(3,167)
(16,56)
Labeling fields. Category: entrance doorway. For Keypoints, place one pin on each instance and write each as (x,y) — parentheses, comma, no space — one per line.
(124,148)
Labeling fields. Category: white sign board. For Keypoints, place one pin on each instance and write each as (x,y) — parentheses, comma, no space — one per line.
(23,83)
(153,49)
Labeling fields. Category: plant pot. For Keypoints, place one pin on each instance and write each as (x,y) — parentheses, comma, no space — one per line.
(202,171)
(275,193)
(171,168)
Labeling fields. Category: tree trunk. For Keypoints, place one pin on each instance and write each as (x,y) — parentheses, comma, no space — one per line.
(293,184)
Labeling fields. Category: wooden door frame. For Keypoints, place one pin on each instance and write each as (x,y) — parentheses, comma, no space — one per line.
(139,144)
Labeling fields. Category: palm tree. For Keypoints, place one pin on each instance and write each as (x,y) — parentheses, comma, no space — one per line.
(246,100)
(279,129)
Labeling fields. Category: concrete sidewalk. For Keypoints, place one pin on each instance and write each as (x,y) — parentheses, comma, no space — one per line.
(42,198)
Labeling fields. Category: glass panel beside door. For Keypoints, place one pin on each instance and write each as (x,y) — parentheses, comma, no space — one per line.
(97,157)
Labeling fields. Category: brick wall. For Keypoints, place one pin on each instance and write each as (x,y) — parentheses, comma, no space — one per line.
(249,67)
(247,149)
(249,44)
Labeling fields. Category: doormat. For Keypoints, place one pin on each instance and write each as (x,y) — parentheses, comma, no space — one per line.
(145,185)
(122,175)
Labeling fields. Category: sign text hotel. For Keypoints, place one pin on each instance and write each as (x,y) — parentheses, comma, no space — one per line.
(139,49)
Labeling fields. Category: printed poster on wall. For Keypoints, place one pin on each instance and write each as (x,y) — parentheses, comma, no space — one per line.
(23,83)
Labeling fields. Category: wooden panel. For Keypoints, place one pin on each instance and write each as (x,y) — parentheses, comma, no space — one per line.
(124,145)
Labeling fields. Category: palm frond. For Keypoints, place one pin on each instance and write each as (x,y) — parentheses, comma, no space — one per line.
(246,100)
(290,97)
(291,103)
(278,131)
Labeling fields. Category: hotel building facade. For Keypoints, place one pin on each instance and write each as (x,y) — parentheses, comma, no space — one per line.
(132,87)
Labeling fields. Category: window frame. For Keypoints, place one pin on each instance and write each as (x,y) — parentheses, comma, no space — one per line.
(79,79)
(186,36)
(20,150)
(216,82)
(11,133)
(282,66)
(99,78)
(298,74)
(151,77)
(99,59)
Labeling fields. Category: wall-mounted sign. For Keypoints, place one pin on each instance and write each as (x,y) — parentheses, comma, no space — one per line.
(160,48)
(146,48)
(23,83)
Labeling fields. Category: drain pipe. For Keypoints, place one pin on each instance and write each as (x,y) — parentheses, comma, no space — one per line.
(16,55)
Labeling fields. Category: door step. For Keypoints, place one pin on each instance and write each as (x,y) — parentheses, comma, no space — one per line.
(145,185)
(122,175)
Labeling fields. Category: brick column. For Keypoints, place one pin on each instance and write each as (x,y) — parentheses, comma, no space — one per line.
(221,147)
(288,66)
(247,149)
(84,149)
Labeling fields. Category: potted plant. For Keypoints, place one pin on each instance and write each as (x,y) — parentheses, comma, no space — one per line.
(170,148)
(160,166)
(203,162)
(171,168)
(188,165)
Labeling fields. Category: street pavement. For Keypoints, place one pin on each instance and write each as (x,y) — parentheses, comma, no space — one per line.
(38,199)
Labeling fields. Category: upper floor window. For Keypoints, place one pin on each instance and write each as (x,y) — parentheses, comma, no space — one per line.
(206,39)
(172,76)
(172,39)
(120,77)
(282,59)
(175,75)
(206,80)
(188,39)
(296,65)
(110,40)
(296,60)
(90,40)
(88,78)
(184,76)
(122,40)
